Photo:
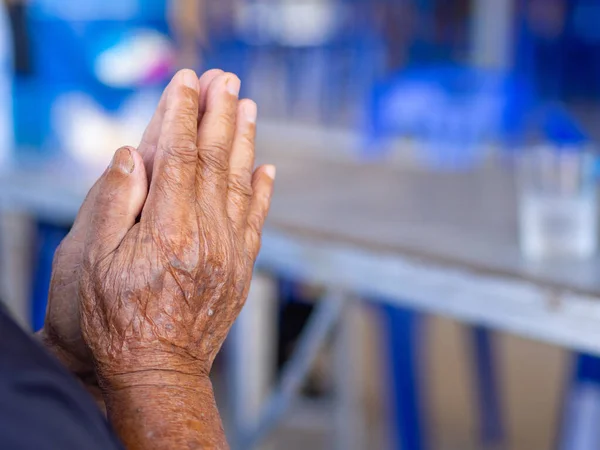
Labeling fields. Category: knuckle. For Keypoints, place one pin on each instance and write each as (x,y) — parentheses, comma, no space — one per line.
(181,150)
(224,122)
(179,127)
(214,156)
(239,184)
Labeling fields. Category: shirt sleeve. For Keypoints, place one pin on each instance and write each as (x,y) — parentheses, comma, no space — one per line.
(41,405)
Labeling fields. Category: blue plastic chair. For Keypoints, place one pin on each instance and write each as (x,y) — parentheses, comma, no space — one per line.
(582,394)
(63,50)
(548,61)
(453,111)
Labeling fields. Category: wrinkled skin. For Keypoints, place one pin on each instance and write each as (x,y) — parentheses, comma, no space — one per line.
(169,294)
(159,261)
(164,292)
(62,332)
(168,297)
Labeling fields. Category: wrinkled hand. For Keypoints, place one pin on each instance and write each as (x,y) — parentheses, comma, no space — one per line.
(161,293)
(62,333)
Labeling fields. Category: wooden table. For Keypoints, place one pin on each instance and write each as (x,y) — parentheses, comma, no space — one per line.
(444,243)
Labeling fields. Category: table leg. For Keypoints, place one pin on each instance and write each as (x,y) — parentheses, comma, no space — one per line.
(17,238)
(348,351)
(403,327)
(312,340)
(581,414)
(488,389)
(252,358)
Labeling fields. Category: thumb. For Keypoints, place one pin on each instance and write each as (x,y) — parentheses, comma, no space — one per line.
(121,194)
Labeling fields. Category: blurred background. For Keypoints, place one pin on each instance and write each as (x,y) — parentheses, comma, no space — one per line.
(417,141)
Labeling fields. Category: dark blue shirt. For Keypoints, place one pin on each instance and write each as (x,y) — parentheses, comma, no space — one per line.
(42,406)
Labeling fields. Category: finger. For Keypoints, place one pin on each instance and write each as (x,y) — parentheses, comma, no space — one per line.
(262,187)
(149,142)
(84,216)
(203,84)
(241,163)
(215,134)
(174,172)
(121,194)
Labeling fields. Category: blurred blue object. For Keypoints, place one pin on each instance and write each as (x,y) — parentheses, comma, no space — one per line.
(49,238)
(67,38)
(67,35)
(581,411)
(450,111)
(487,386)
(403,328)
(324,56)
(559,127)
(96,10)
(355,62)
(6,79)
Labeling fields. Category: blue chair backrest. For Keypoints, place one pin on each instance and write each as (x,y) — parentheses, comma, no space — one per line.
(556,125)
(66,38)
(67,35)
(451,110)
(95,10)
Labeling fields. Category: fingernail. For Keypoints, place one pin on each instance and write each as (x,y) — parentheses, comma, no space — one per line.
(233,85)
(250,111)
(271,171)
(189,79)
(123,160)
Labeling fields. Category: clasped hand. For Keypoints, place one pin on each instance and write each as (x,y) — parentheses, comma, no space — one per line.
(159,261)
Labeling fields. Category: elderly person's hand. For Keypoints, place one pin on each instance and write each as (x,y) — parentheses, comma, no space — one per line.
(61,333)
(165,271)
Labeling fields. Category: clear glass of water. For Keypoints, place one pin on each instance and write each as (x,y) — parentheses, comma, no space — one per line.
(558,203)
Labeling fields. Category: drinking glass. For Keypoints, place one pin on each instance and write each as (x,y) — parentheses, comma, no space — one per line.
(557,203)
